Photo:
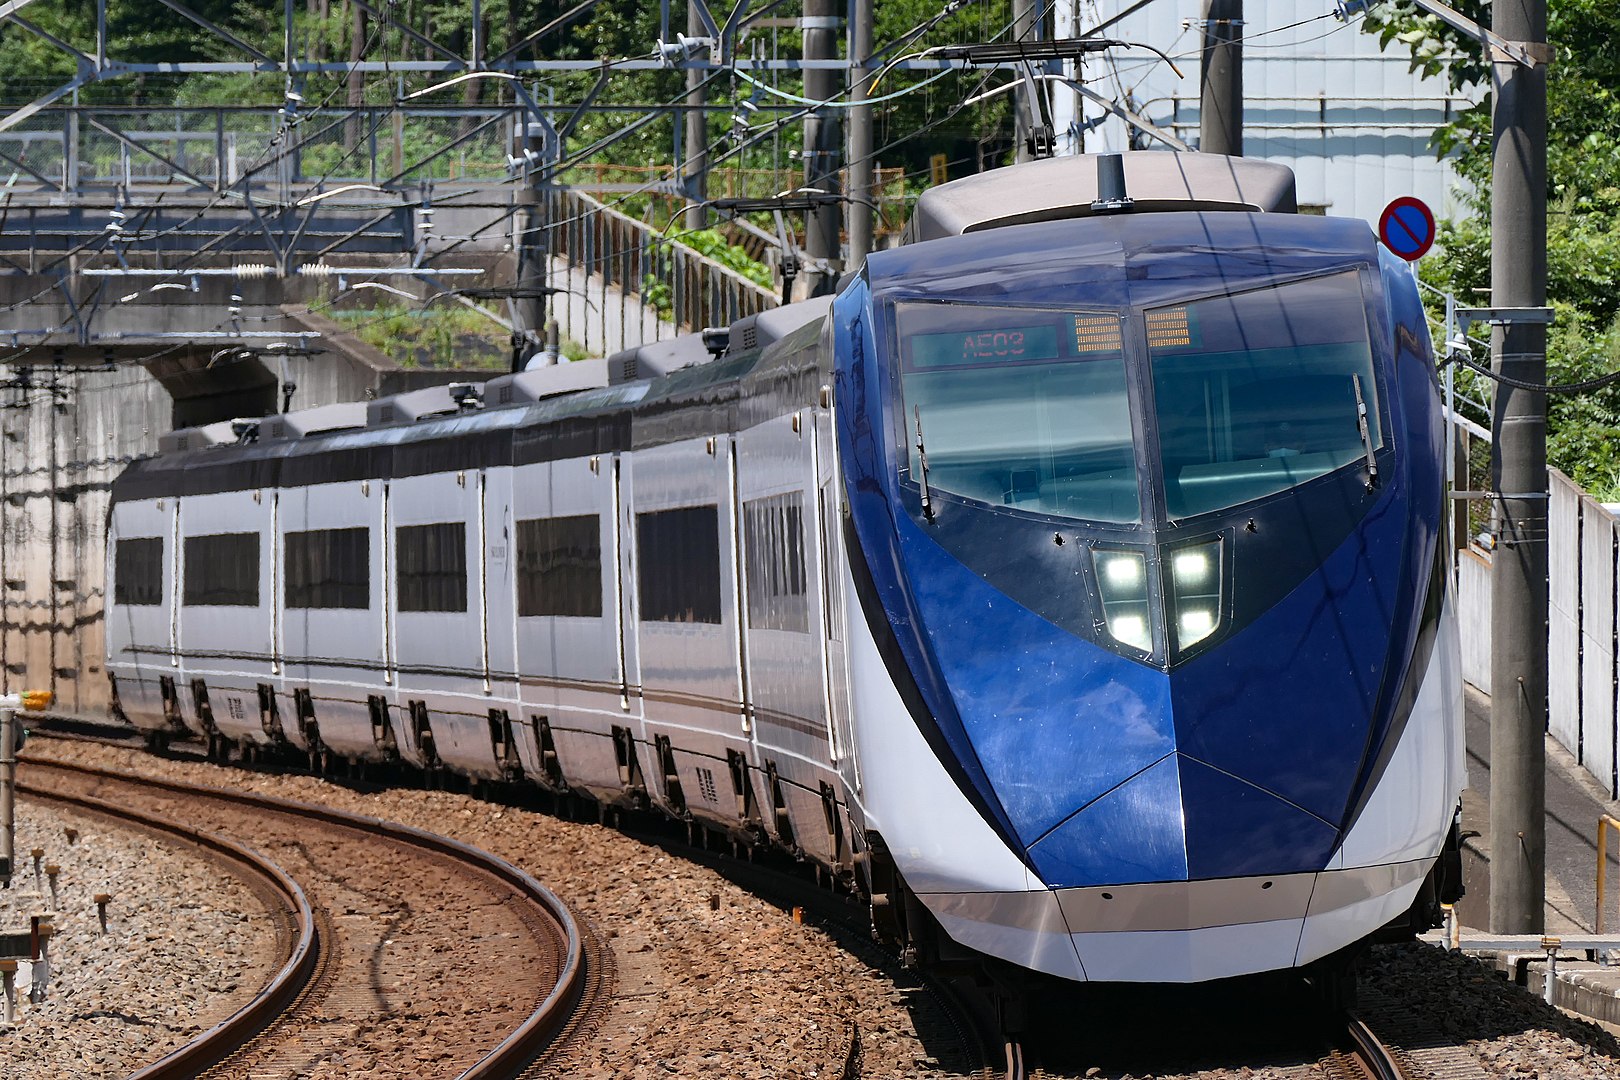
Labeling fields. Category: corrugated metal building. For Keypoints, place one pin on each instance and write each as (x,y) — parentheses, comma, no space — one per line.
(1353,122)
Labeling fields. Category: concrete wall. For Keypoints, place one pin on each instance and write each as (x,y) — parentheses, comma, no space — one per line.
(1583,712)
(57,465)
(1474,613)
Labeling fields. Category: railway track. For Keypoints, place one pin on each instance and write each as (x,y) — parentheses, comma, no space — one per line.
(964,1031)
(1369,1058)
(399,946)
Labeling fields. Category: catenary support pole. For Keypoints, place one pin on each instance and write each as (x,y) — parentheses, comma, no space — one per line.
(8,793)
(695,170)
(529,303)
(861,165)
(1023,29)
(1519,471)
(822,145)
(1221,78)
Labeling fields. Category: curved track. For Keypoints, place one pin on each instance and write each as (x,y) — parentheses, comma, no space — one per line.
(392,930)
(1369,1058)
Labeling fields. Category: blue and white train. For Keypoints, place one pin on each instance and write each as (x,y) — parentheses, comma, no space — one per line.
(1075,581)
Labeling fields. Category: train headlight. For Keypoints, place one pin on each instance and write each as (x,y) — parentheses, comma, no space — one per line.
(1195,592)
(1122,579)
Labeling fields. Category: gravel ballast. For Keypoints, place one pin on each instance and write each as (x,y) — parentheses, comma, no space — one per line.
(712,980)
(187,945)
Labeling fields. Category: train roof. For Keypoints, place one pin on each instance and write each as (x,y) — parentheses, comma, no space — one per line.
(1057,188)
(725,394)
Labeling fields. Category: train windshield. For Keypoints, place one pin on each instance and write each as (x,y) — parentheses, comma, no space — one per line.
(1020,407)
(1258,392)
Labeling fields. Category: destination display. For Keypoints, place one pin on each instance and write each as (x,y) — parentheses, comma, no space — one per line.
(984,346)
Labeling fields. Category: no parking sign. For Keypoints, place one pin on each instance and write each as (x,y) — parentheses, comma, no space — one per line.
(1407,228)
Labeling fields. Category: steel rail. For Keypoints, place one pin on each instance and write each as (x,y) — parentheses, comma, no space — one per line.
(1379,1060)
(227,1036)
(519,1049)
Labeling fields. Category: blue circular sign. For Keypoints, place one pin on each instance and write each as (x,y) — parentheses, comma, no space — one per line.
(1407,228)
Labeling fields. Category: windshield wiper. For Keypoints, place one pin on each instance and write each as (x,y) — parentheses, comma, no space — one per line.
(922,458)
(1361,423)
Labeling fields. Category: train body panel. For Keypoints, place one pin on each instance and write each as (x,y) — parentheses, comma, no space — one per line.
(1076,587)
(141,610)
(334,533)
(228,617)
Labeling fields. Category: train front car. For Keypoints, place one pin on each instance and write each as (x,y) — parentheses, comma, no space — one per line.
(1160,682)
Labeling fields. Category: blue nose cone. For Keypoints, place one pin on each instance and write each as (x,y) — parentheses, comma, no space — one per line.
(1180,820)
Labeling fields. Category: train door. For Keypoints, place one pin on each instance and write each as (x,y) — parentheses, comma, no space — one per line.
(331,602)
(140,601)
(498,583)
(623,585)
(687,621)
(568,620)
(782,622)
(439,660)
(227,624)
(830,545)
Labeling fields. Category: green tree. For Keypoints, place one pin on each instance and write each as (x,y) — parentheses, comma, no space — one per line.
(1583,217)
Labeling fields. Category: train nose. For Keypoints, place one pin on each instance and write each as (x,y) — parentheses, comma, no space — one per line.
(1181,820)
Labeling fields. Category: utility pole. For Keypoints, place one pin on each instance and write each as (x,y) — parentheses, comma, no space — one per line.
(1519,471)
(695,170)
(1023,29)
(12,736)
(1221,79)
(529,304)
(821,144)
(861,165)
(8,788)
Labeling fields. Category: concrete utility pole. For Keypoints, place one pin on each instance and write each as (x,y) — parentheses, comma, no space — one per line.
(1519,471)
(529,304)
(821,142)
(8,790)
(1221,107)
(861,165)
(696,167)
(1023,29)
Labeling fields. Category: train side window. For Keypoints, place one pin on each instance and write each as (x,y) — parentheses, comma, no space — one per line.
(222,570)
(773,539)
(138,571)
(329,568)
(559,566)
(431,565)
(678,571)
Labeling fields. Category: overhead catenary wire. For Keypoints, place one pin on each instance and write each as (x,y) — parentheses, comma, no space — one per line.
(734,151)
(1463,358)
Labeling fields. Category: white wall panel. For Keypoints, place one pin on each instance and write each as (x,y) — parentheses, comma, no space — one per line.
(1563,612)
(1597,642)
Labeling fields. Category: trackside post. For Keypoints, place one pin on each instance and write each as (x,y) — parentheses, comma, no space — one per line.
(34,701)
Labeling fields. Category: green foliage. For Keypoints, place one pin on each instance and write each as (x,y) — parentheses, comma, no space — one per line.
(656,291)
(1583,217)
(435,337)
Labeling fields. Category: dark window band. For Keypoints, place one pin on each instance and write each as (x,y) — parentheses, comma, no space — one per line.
(328,568)
(678,565)
(432,566)
(559,566)
(222,570)
(138,571)
(773,543)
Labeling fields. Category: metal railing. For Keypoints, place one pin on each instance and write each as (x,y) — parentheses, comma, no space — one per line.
(1605,823)
(637,284)
(72,149)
